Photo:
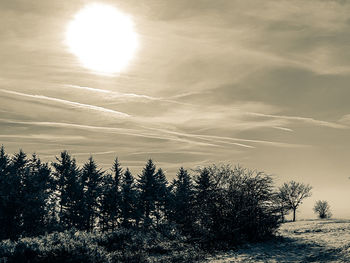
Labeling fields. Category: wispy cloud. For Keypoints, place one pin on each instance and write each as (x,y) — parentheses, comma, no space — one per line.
(172,152)
(231,140)
(283,128)
(164,134)
(113,94)
(302,119)
(69,103)
(123,96)
(121,131)
(43,137)
(345,119)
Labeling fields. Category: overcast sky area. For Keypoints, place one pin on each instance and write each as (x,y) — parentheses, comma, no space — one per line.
(264,84)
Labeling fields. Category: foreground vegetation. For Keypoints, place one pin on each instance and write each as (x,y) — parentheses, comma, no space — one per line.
(325,240)
(59,211)
(122,245)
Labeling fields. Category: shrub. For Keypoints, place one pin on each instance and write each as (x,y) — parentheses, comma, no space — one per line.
(242,207)
(322,209)
(122,245)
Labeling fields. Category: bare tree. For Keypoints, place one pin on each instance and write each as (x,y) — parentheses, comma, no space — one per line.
(322,208)
(282,206)
(293,194)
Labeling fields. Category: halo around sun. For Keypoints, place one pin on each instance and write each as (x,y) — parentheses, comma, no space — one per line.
(103,38)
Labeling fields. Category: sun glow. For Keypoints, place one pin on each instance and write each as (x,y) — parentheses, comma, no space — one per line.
(102,38)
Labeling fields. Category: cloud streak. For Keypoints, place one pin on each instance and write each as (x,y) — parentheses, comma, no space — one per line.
(302,119)
(123,96)
(233,141)
(73,104)
(121,131)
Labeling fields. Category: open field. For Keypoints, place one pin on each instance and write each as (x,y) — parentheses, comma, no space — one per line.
(302,241)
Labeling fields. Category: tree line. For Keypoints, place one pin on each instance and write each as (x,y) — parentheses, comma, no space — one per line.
(214,204)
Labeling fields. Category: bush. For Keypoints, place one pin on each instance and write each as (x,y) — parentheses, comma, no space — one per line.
(122,245)
(322,209)
(242,208)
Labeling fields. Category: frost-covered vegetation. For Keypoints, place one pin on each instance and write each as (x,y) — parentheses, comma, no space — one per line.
(302,241)
(52,212)
(122,245)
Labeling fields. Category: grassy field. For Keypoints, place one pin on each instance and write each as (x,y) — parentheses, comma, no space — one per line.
(302,241)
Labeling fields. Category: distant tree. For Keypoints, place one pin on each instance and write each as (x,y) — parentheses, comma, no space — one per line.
(36,192)
(110,200)
(162,196)
(91,181)
(204,196)
(4,194)
(10,189)
(67,177)
(322,208)
(220,206)
(4,159)
(118,173)
(281,205)
(233,205)
(129,197)
(107,215)
(247,203)
(183,203)
(293,194)
(25,192)
(18,170)
(146,185)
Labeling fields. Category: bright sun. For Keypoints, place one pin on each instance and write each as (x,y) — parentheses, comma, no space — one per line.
(103,38)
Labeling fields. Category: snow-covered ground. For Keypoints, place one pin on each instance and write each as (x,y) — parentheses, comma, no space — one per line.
(301,241)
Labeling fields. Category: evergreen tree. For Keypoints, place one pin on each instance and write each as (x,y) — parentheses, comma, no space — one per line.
(36,187)
(118,172)
(147,187)
(91,182)
(203,199)
(128,203)
(14,189)
(4,192)
(162,196)
(183,201)
(67,178)
(4,161)
(107,203)
(110,210)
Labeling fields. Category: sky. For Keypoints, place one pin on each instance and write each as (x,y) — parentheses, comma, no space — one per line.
(263,84)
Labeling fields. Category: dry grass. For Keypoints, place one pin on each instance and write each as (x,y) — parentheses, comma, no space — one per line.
(302,241)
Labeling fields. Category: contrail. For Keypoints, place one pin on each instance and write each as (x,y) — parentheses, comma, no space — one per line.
(67,102)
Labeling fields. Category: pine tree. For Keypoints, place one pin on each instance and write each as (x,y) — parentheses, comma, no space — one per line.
(36,189)
(118,172)
(67,178)
(18,170)
(128,203)
(91,182)
(183,201)
(4,161)
(162,196)
(4,192)
(107,203)
(147,187)
(203,198)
